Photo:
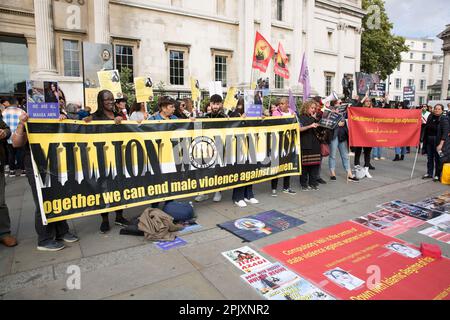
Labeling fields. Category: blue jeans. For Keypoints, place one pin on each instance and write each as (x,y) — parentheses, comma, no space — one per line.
(343,150)
(377,153)
(401,151)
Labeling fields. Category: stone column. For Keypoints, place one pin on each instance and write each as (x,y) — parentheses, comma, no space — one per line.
(358,32)
(45,39)
(246,40)
(341,29)
(297,54)
(310,9)
(101,21)
(445,75)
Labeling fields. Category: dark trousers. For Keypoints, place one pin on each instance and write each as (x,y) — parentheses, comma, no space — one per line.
(118,213)
(358,152)
(434,161)
(5,222)
(242,193)
(309,176)
(15,158)
(51,231)
(286,183)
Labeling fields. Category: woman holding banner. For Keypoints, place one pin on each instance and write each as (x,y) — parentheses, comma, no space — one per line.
(242,195)
(367,103)
(283,110)
(106,111)
(339,141)
(310,144)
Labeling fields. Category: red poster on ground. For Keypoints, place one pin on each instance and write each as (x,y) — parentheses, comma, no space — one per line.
(281,62)
(352,262)
(388,222)
(263,53)
(384,127)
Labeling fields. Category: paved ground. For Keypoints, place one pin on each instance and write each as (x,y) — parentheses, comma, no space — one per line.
(121,267)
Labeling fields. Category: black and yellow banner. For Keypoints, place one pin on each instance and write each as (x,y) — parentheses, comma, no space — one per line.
(85,169)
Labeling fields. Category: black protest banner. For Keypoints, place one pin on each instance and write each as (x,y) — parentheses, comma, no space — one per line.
(86,169)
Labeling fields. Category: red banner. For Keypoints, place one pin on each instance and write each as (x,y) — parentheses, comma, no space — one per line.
(384,127)
(282,60)
(352,262)
(263,53)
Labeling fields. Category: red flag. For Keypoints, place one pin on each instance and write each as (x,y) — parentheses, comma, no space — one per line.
(384,128)
(281,62)
(263,53)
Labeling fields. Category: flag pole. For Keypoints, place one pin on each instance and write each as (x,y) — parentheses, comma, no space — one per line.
(415,162)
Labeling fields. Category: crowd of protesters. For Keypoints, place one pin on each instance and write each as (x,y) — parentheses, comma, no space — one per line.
(317,143)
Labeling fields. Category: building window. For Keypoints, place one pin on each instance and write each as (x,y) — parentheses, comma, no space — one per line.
(71,58)
(14,70)
(411,68)
(279,82)
(176,68)
(423,68)
(411,55)
(221,69)
(422,85)
(424,45)
(410,82)
(412,44)
(424,56)
(124,58)
(329,79)
(397,98)
(398,83)
(421,100)
(280,5)
(398,68)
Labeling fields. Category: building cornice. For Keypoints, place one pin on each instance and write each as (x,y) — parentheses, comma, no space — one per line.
(17,12)
(176,11)
(341,8)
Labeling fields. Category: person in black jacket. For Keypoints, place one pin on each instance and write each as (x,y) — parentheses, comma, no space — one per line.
(217,112)
(436,142)
(5,222)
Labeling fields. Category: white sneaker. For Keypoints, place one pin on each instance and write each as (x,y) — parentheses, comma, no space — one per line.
(251,201)
(351,154)
(367,173)
(241,204)
(201,198)
(217,197)
(274,193)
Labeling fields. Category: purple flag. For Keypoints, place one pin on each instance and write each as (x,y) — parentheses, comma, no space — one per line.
(292,102)
(304,79)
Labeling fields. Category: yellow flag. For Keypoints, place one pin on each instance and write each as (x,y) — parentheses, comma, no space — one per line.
(195,88)
(143,88)
(230,100)
(110,80)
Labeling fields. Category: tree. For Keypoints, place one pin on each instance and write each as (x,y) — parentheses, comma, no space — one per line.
(127,84)
(380,49)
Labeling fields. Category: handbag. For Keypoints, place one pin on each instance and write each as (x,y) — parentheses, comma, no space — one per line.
(324,150)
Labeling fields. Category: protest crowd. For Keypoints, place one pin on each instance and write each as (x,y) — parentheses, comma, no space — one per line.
(317,144)
(323,124)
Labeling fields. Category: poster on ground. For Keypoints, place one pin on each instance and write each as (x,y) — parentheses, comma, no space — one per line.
(411,210)
(388,222)
(300,289)
(440,203)
(42,99)
(352,262)
(437,234)
(84,169)
(246,259)
(259,226)
(270,278)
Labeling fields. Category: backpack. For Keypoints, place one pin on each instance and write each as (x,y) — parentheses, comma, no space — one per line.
(180,211)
